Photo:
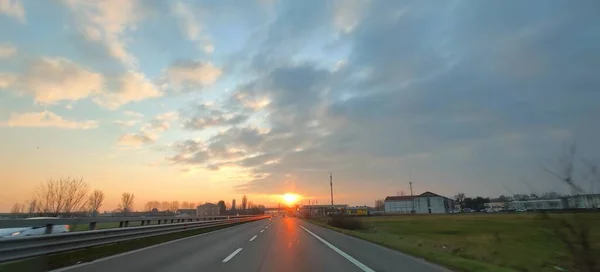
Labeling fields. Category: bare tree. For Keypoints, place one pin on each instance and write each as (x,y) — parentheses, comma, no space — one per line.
(574,231)
(244,202)
(17,208)
(126,205)
(165,205)
(33,206)
(460,199)
(192,205)
(95,201)
(185,205)
(174,206)
(233,204)
(151,205)
(62,196)
(379,205)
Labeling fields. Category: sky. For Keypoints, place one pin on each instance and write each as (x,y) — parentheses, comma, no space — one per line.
(208,100)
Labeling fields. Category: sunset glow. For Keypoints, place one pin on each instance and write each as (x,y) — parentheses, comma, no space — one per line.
(290,198)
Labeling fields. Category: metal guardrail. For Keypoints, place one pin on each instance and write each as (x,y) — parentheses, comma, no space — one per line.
(14,248)
(93,221)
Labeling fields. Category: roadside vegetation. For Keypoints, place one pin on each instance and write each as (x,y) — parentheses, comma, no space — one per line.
(476,242)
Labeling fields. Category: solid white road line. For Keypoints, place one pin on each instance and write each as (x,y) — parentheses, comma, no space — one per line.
(232,255)
(339,251)
(142,249)
(252,239)
(262,230)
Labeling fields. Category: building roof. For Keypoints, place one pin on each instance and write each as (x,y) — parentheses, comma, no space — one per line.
(324,206)
(399,198)
(207,205)
(406,198)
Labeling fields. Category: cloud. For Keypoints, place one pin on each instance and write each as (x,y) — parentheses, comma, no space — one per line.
(208,48)
(347,14)
(7,80)
(133,114)
(13,8)
(134,140)
(235,146)
(191,75)
(191,26)
(7,50)
(207,116)
(126,123)
(457,94)
(107,22)
(149,132)
(130,87)
(46,119)
(188,21)
(50,80)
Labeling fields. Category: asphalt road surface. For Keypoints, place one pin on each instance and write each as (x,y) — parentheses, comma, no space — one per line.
(280,244)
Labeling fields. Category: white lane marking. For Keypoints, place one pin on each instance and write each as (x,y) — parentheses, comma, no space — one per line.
(232,255)
(339,251)
(145,248)
(262,230)
(252,239)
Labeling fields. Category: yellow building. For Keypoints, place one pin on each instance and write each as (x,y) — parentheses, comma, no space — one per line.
(363,210)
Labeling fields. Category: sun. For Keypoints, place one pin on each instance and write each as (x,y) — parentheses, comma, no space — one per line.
(290,198)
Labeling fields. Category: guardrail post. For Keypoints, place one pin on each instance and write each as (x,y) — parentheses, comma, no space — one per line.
(92,225)
(158,221)
(120,224)
(49,228)
(147,222)
(172,221)
(143,222)
(126,223)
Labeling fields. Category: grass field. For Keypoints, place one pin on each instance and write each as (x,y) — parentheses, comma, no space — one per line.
(108,225)
(477,242)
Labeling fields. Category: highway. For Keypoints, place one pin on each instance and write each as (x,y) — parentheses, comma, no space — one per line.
(279,244)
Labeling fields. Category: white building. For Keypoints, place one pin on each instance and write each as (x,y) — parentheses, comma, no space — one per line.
(427,202)
(590,201)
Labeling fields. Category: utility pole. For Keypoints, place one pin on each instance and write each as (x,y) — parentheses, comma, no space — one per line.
(411,192)
(331,185)
(410,183)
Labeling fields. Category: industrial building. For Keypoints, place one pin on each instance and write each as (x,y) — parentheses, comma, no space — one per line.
(536,204)
(320,210)
(207,209)
(589,201)
(424,203)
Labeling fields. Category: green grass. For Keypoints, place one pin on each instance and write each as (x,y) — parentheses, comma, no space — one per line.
(108,225)
(476,242)
(55,261)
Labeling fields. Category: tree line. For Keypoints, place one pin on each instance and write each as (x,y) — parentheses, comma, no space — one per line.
(68,197)
(73,197)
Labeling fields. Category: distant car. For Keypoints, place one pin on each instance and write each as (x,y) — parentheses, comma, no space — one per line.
(521,210)
(30,231)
